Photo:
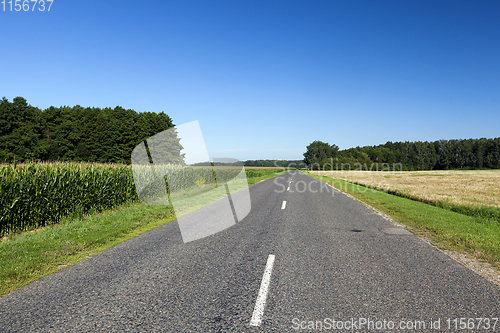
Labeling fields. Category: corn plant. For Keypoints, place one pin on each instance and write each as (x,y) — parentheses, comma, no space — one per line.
(34,195)
(37,194)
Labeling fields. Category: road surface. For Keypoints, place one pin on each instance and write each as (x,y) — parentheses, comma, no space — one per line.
(303,256)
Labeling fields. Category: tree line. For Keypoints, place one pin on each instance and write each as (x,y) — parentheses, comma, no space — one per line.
(438,155)
(75,133)
(259,163)
(274,163)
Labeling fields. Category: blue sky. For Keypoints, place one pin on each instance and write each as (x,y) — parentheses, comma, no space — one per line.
(266,78)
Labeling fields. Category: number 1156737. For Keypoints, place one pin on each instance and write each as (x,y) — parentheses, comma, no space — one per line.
(26,5)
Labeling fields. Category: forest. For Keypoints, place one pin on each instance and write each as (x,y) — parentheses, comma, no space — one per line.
(81,134)
(75,133)
(108,135)
(438,155)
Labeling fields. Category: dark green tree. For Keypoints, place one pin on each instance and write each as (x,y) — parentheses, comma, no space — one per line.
(317,152)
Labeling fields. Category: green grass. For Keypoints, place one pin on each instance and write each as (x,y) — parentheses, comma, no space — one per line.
(257,175)
(28,256)
(478,236)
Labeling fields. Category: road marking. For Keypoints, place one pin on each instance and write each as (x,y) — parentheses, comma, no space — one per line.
(288,189)
(283,205)
(261,298)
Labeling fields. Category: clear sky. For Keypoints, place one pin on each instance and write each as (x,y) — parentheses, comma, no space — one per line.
(266,78)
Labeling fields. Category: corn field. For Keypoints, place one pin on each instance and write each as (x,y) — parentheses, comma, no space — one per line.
(37,194)
(153,182)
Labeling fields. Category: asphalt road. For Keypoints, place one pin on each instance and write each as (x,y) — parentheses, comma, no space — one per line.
(334,259)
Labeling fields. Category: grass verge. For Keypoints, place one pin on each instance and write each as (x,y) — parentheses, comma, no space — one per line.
(477,236)
(483,212)
(29,256)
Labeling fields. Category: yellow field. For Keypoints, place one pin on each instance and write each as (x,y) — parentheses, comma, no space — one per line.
(481,187)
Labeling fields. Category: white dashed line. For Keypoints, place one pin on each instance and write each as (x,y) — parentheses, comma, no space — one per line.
(261,298)
(283,205)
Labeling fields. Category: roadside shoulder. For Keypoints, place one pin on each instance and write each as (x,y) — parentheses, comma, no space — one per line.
(483,269)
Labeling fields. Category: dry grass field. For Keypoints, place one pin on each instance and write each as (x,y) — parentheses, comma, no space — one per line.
(471,187)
